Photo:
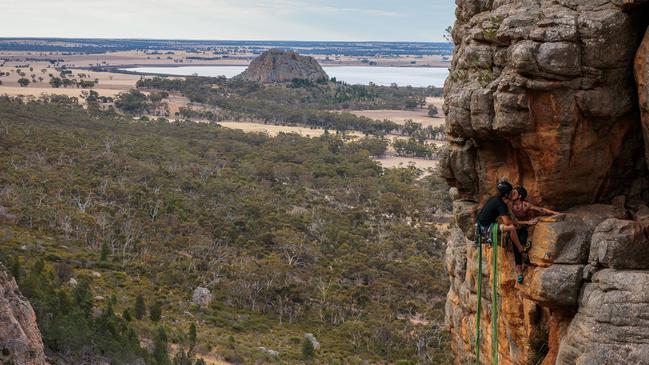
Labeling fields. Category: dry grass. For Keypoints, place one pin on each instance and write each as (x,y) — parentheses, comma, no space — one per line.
(400,116)
(110,84)
(274,130)
(38,91)
(396,161)
(387,161)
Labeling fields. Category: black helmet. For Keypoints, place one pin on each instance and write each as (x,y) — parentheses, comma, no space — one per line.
(522,192)
(504,188)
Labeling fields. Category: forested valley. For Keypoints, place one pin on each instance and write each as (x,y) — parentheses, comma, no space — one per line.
(117,222)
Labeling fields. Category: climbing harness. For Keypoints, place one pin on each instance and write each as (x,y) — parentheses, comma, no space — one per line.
(494,231)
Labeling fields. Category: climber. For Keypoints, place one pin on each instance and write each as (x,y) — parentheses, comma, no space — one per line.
(493,220)
(495,209)
(522,210)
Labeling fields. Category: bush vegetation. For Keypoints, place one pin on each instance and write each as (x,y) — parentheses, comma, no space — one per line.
(290,234)
(300,102)
(78,328)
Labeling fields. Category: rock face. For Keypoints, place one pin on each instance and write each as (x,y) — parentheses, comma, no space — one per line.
(599,271)
(283,66)
(20,339)
(641,69)
(612,324)
(543,92)
(553,95)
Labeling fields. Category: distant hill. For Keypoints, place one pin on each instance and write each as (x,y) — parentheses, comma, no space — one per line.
(283,66)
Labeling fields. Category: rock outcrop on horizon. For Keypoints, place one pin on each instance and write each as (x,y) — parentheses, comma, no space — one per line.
(544,94)
(20,339)
(283,66)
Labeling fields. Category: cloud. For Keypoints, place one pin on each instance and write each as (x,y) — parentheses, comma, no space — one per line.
(344,20)
(354,11)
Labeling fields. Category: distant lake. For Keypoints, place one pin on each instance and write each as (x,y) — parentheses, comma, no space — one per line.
(403,76)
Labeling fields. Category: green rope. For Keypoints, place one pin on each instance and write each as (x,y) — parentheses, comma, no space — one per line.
(494,297)
(477,320)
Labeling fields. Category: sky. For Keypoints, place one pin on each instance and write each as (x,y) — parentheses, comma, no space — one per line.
(318,20)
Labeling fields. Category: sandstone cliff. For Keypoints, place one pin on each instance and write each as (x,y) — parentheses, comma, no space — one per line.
(544,93)
(20,339)
(283,66)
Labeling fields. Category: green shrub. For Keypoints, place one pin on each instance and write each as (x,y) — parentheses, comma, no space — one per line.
(160,355)
(67,323)
(126,314)
(140,307)
(308,351)
(105,251)
(155,312)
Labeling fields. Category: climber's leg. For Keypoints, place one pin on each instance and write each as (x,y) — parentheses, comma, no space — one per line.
(522,236)
(519,252)
(511,229)
(518,260)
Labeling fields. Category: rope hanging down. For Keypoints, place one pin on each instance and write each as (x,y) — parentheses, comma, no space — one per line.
(494,300)
(494,297)
(477,319)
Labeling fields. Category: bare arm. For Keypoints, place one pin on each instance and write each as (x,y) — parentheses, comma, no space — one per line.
(541,210)
(530,222)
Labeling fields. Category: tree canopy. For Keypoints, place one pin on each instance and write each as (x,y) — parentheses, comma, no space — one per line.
(287,232)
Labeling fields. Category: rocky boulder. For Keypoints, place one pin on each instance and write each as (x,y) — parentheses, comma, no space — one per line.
(565,239)
(621,244)
(283,66)
(464,213)
(612,324)
(555,286)
(560,240)
(202,296)
(20,339)
(311,338)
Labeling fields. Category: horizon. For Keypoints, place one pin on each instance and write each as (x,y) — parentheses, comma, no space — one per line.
(223,40)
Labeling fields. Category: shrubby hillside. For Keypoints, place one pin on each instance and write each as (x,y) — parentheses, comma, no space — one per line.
(312,103)
(118,221)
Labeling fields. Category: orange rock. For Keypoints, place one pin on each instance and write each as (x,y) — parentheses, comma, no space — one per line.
(542,93)
(641,71)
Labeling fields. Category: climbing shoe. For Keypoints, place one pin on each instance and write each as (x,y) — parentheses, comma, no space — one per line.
(519,279)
